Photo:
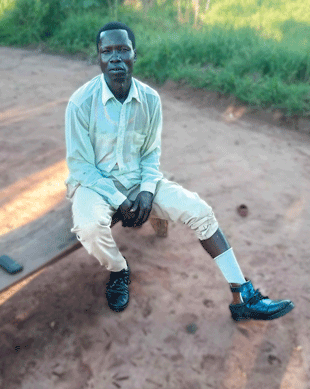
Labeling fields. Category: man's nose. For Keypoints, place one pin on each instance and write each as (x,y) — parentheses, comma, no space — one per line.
(115,57)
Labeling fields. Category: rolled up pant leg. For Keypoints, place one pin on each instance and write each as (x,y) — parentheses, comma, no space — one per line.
(92,216)
(175,203)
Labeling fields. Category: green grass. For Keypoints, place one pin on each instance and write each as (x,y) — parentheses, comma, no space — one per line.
(5,5)
(256,50)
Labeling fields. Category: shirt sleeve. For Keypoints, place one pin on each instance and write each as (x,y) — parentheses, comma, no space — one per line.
(81,157)
(151,151)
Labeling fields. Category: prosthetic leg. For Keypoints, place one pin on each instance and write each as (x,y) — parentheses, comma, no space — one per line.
(216,246)
(247,303)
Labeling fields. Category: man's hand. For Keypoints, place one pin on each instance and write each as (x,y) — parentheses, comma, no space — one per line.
(127,216)
(143,203)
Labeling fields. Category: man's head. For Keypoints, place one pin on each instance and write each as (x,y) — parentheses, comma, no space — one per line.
(116,26)
(117,54)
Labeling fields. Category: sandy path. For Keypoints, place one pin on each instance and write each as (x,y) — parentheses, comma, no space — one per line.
(58,332)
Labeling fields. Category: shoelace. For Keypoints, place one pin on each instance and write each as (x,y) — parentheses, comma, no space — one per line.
(118,283)
(256,298)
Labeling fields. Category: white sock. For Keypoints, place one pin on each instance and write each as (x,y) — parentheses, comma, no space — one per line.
(229,267)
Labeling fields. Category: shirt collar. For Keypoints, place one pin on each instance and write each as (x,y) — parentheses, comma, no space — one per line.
(107,94)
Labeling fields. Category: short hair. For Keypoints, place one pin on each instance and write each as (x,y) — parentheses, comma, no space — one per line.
(116,26)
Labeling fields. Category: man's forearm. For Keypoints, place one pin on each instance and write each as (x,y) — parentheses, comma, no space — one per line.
(150,172)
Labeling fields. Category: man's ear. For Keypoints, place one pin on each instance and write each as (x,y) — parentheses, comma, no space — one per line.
(135,57)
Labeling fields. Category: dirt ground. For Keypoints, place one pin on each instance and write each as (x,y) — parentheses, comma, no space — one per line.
(56,330)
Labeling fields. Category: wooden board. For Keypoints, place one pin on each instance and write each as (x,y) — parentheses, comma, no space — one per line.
(46,240)
(160,226)
(39,243)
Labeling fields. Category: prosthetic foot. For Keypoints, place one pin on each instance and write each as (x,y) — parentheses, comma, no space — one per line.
(257,307)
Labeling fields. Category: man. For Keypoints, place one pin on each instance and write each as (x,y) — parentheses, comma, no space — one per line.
(113,138)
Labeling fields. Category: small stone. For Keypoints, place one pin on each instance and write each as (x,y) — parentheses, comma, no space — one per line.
(54,325)
(59,370)
(191,328)
(242,210)
(272,359)
(208,303)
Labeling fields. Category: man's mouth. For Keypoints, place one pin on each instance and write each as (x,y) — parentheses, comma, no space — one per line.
(117,70)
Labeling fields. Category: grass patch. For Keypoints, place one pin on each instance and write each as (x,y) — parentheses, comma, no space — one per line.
(255,50)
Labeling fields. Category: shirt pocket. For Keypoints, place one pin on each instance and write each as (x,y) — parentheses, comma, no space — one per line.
(105,145)
(137,141)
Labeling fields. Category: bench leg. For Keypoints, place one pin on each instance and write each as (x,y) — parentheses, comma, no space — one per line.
(160,226)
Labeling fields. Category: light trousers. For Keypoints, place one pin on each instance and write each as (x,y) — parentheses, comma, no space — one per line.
(92,216)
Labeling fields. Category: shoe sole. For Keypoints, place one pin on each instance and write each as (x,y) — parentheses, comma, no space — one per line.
(283,312)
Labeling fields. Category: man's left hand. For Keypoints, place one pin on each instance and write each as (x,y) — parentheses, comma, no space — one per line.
(143,203)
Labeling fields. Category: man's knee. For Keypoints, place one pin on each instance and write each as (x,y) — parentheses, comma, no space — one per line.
(203,221)
(91,230)
(207,229)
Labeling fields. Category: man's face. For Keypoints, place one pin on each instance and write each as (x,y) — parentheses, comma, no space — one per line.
(116,56)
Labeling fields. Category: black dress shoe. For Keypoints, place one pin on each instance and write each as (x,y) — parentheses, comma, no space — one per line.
(117,292)
(256,306)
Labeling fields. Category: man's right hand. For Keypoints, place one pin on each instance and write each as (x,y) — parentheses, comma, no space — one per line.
(127,217)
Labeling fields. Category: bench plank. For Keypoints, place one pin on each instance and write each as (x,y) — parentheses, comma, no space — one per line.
(39,243)
(46,240)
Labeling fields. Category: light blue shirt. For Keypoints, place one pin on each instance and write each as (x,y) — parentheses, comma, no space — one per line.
(108,140)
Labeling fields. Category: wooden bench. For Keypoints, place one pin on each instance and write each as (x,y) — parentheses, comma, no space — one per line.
(46,240)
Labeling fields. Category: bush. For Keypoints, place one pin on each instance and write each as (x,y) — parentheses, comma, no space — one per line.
(263,59)
(78,32)
(37,20)
(23,25)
